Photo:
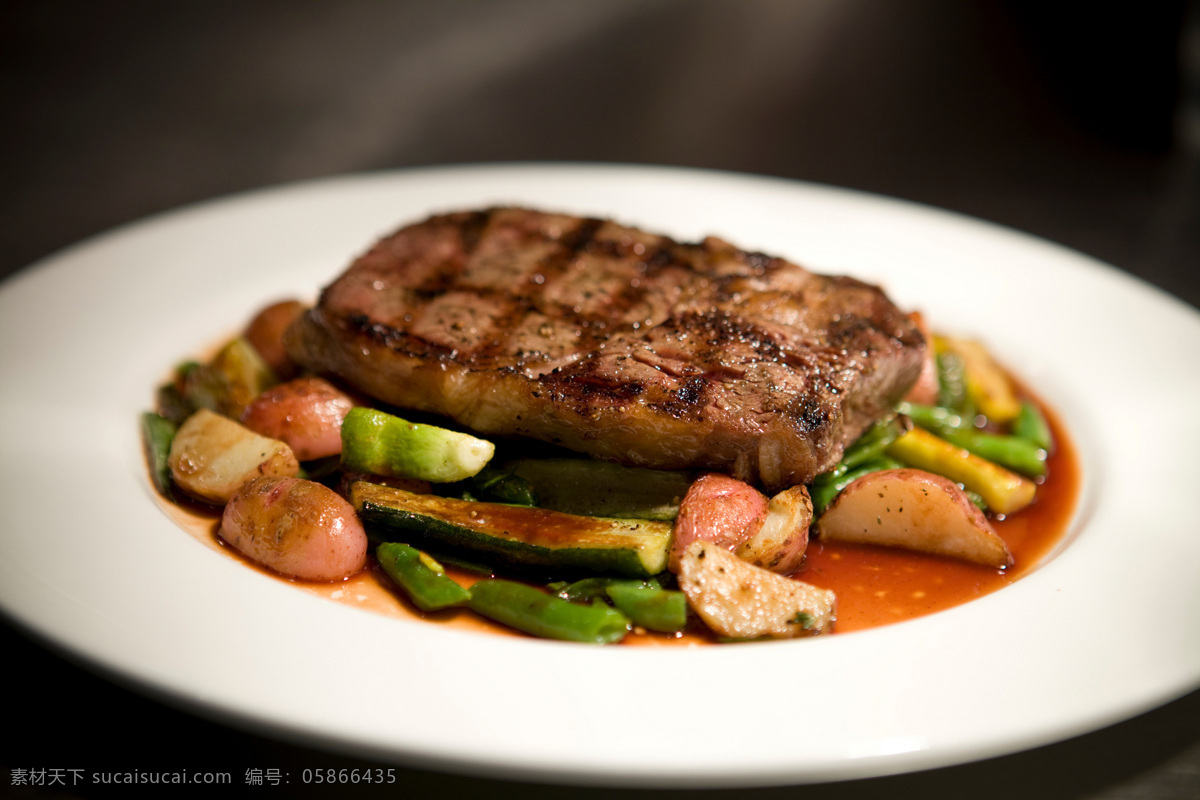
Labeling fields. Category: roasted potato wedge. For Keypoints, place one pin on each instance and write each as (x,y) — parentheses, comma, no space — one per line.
(739,600)
(212,457)
(782,539)
(917,511)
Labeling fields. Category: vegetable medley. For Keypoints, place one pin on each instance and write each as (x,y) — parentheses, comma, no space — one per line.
(315,482)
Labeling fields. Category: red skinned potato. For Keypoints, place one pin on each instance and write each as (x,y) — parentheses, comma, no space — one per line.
(717,509)
(306,413)
(265,334)
(297,528)
(917,511)
(737,599)
(782,539)
(212,457)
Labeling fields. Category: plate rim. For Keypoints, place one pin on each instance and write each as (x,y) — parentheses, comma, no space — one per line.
(878,764)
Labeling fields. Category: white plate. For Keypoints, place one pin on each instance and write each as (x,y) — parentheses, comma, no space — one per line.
(1107,629)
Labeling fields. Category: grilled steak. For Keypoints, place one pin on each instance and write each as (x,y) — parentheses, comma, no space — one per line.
(615,342)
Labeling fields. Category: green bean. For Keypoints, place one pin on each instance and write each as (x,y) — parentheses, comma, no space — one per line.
(1019,455)
(540,614)
(1032,426)
(1015,453)
(649,606)
(423,580)
(823,494)
(869,446)
(157,434)
(584,589)
(873,442)
(952,381)
(935,418)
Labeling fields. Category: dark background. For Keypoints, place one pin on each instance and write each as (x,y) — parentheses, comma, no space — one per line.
(1080,124)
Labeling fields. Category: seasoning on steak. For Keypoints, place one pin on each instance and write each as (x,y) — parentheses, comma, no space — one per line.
(615,342)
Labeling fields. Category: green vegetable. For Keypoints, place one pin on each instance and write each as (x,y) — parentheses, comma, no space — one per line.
(382,444)
(1004,491)
(1012,452)
(236,375)
(650,607)
(602,489)
(171,404)
(518,536)
(874,441)
(157,434)
(935,418)
(584,588)
(535,612)
(502,486)
(1031,425)
(952,382)
(423,580)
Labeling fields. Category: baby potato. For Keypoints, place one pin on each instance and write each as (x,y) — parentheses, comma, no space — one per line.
(720,510)
(914,510)
(306,413)
(212,456)
(737,599)
(265,334)
(782,539)
(295,527)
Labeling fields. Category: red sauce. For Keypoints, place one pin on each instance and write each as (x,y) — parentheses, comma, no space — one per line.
(878,586)
(874,585)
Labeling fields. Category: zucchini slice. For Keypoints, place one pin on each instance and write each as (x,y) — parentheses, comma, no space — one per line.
(602,489)
(514,535)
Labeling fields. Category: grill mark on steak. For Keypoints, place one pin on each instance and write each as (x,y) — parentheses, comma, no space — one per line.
(615,342)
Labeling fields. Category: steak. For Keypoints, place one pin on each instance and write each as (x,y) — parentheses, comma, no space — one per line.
(610,341)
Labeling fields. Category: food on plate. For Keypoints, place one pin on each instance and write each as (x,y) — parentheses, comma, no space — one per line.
(304,413)
(265,335)
(586,432)
(741,601)
(916,510)
(212,456)
(515,536)
(617,343)
(296,527)
(772,534)
(384,444)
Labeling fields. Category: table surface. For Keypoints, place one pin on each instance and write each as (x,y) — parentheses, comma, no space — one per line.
(116,111)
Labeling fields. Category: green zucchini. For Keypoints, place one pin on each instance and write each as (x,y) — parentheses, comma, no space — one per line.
(518,536)
(602,489)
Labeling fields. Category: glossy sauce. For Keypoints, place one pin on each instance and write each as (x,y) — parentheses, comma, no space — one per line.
(874,585)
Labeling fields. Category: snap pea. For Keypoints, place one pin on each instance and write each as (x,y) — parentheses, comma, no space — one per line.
(422,579)
(535,612)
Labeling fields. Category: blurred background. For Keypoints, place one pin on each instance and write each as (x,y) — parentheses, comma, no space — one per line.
(1077,122)
(1065,120)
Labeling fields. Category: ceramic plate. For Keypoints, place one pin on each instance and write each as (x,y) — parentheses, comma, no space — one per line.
(1109,626)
